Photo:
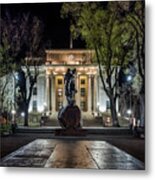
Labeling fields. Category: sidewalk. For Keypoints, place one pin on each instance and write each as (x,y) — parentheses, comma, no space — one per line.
(133,146)
(72,154)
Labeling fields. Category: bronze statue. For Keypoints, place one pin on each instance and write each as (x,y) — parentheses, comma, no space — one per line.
(70,115)
(70,89)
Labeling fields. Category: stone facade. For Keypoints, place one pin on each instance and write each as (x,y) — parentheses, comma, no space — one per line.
(49,94)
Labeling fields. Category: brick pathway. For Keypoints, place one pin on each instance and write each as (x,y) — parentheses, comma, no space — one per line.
(72,154)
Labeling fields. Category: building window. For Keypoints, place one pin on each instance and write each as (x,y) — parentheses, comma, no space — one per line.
(83,92)
(34,105)
(35,91)
(83,81)
(107,104)
(59,81)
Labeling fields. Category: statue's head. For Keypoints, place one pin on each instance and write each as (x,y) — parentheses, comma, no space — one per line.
(74,71)
(68,70)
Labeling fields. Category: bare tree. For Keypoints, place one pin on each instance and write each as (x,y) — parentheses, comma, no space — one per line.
(21,38)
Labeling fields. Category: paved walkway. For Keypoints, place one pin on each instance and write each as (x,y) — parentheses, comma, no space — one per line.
(72,154)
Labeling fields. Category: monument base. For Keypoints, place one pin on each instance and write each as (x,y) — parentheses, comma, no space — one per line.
(70,132)
(70,117)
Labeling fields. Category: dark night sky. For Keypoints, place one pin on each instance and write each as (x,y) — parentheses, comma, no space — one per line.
(56,29)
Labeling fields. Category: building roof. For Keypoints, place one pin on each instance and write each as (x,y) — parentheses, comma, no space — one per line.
(70,56)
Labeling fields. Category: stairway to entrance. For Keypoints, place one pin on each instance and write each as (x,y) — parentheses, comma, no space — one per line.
(88,120)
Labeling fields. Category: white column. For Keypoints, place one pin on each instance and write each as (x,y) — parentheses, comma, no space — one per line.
(50,93)
(78,91)
(47,92)
(53,94)
(95,92)
(64,96)
(89,94)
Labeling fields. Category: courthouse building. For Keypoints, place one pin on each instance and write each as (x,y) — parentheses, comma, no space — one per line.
(48,94)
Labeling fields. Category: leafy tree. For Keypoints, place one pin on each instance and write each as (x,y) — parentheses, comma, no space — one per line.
(104,28)
(135,17)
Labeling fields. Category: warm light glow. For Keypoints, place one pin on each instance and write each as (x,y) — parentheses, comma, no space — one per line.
(119,114)
(22,114)
(95,114)
(40,109)
(129,78)
(60,69)
(129,111)
(102,109)
(98,103)
(134,122)
(54,73)
(81,69)
(71,62)
(17,76)
(108,119)
(48,72)
(71,57)
(47,63)
(13,111)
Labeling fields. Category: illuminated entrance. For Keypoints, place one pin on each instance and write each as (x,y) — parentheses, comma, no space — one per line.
(57,63)
(83,92)
(59,91)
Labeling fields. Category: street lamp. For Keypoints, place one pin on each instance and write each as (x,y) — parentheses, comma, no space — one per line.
(22,114)
(129,111)
(13,112)
(129,78)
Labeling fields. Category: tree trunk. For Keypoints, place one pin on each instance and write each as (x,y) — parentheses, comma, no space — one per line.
(142,110)
(123,105)
(26,116)
(113,112)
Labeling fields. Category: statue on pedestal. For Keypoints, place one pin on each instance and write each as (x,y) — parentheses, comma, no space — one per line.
(69,117)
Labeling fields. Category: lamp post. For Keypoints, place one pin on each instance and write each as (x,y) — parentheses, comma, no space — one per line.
(13,112)
(129,111)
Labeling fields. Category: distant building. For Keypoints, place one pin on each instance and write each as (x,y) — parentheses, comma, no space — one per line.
(48,93)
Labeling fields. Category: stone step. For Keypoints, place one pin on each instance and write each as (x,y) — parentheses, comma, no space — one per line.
(90,130)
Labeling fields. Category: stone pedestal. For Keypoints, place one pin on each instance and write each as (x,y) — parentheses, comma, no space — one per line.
(70,132)
(69,118)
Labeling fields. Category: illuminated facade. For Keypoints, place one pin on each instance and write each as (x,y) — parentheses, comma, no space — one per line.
(48,94)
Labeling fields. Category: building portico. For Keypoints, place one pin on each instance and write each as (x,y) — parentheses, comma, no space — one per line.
(86,79)
(49,93)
